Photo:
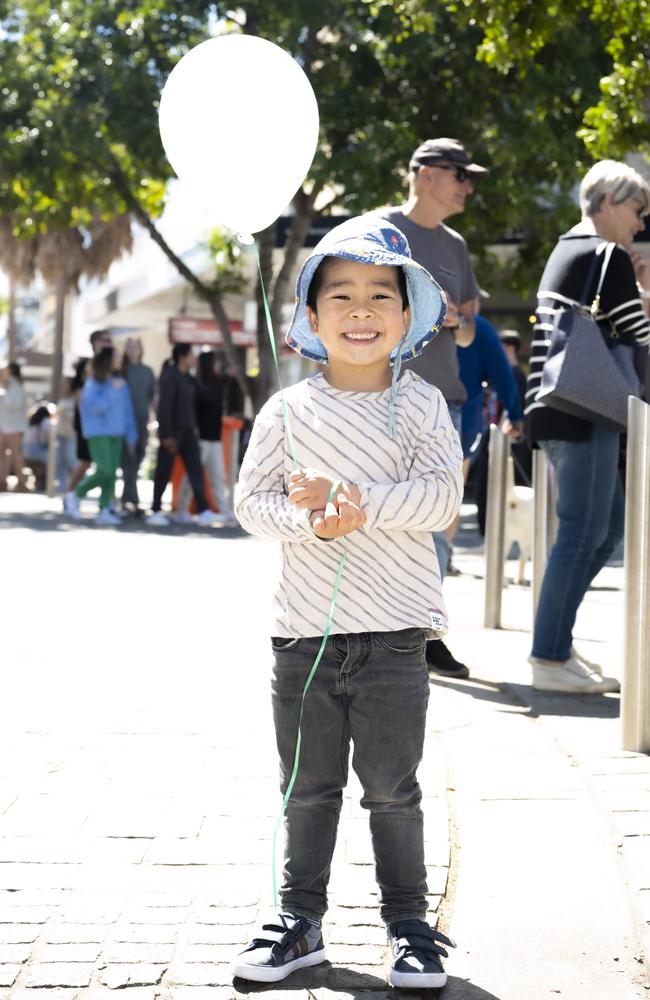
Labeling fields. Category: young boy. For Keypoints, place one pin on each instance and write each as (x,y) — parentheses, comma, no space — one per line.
(383,451)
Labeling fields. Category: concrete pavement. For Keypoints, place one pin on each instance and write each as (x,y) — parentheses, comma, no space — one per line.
(138,784)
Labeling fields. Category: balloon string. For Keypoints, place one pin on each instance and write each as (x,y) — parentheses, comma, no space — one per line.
(274,349)
(335,592)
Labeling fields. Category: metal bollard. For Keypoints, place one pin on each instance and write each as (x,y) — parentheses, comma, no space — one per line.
(50,469)
(233,471)
(635,698)
(495,522)
(545,519)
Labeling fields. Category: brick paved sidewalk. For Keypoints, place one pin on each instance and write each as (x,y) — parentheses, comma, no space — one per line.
(138,779)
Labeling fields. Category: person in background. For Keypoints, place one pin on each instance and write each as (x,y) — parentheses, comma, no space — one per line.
(211,402)
(614,201)
(484,360)
(107,421)
(177,435)
(66,436)
(81,373)
(521,451)
(36,442)
(441,178)
(142,386)
(98,340)
(13,424)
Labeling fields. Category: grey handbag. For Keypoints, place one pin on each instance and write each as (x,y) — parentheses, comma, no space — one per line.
(582,376)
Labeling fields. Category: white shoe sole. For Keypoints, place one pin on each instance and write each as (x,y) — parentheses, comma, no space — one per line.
(569,689)
(259,974)
(418,980)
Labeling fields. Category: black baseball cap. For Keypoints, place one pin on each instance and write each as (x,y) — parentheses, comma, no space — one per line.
(449,150)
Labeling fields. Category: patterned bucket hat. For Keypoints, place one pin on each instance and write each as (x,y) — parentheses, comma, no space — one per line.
(370,239)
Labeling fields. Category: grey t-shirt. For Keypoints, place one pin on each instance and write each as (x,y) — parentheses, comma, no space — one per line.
(444,253)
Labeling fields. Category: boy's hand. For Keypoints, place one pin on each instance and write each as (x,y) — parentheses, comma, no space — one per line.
(348,518)
(311,489)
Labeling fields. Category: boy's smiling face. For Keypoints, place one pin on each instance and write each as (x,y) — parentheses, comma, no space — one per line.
(360,318)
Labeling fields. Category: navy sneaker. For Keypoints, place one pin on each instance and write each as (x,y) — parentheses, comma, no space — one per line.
(290,943)
(415,964)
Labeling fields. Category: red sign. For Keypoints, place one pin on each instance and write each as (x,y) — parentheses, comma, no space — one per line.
(185,330)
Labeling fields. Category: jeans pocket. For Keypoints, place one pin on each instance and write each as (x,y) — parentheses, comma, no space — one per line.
(280,644)
(406,641)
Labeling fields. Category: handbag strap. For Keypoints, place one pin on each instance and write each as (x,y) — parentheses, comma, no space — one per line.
(606,249)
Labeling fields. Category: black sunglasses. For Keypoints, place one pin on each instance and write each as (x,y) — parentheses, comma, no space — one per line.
(461,173)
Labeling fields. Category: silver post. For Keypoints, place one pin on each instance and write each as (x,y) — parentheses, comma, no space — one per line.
(50,468)
(233,472)
(544,517)
(495,514)
(635,699)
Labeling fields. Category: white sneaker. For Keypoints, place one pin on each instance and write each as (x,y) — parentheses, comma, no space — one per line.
(71,505)
(613,684)
(106,518)
(230,520)
(182,517)
(570,677)
(207,516)
(158,520)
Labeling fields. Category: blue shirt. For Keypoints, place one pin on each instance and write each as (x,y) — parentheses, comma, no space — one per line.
(106,410)
(485,361)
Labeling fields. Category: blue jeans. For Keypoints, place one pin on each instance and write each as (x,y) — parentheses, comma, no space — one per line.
(591,510)
(370,689)
(440,540)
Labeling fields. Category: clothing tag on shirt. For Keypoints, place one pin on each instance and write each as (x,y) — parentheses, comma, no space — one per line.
(438,621)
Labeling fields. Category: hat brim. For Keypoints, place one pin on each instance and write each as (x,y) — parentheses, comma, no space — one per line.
(426,300)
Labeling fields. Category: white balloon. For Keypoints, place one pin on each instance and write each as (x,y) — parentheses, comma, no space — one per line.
(239,121)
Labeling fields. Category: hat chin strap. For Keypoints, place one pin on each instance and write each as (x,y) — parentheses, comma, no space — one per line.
(397,366)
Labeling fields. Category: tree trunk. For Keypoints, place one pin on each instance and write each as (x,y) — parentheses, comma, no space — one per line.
(304,213)
(11,320)
(59,323)
(267,378)
(215,303)
(219,313)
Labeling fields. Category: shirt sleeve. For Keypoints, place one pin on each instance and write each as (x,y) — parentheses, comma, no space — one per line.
(131,430)
(468,284)
(261,502)
(167,391)
(620,301)
(430,498)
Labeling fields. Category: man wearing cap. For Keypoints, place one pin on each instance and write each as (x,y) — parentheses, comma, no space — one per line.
(440,179)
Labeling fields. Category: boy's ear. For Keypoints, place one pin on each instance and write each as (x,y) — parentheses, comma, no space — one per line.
(406,316)
(312,316)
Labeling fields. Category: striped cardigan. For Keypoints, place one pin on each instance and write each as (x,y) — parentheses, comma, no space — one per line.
(561,286)
(410,485)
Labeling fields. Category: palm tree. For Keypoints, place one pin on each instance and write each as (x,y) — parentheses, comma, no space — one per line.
(62,257)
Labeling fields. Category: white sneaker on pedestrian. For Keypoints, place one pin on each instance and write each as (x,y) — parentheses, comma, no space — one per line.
(613,684)
(229,520)
(569,677)
(206,516)
(158,520)
(71,505)
(106,518)
(182,517)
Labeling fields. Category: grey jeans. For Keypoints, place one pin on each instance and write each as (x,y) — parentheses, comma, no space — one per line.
(370,689)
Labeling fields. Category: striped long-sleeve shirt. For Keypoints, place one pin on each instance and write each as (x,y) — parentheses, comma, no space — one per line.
(410,486)
(561,287)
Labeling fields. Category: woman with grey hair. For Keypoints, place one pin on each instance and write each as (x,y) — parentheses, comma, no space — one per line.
(614,200)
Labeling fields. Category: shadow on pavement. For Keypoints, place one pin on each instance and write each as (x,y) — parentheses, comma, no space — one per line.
(53,521)
(536,703)
(358,985)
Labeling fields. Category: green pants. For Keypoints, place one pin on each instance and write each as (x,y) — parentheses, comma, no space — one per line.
(106,453)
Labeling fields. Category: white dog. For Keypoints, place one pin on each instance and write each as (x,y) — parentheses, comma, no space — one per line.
(519,520)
